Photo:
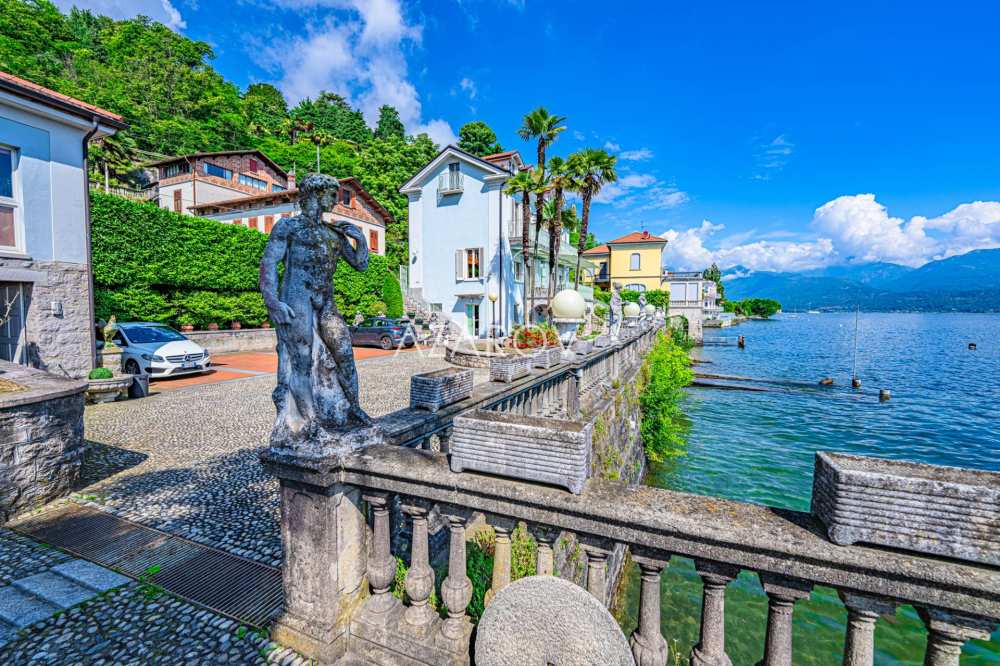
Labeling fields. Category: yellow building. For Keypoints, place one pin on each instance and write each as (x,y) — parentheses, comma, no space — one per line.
(635,261)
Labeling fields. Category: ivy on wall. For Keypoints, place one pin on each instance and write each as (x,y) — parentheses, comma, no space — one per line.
(151,264)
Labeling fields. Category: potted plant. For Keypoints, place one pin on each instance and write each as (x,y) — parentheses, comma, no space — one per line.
(186,323)
(235,325)
(104,386)
(265,324)
(213,326)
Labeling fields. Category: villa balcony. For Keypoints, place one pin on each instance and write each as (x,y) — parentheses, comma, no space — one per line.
(450,183)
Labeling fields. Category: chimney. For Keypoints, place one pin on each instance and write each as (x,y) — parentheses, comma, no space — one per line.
(291,178)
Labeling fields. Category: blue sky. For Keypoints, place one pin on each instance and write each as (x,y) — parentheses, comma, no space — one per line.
(782,135)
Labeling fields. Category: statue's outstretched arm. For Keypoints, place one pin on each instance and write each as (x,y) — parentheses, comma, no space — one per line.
(274,253)
(357,257)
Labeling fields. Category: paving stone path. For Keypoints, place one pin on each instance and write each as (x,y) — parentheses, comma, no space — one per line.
(184,462)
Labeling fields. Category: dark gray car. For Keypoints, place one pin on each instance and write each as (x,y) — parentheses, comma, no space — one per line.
(383,332)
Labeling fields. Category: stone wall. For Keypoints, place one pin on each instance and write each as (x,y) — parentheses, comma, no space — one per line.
(228,341)
(41,438)
(60,343)
(618,455)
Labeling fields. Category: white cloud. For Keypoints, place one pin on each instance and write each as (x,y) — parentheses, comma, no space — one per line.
(772,156)
(579,136)
(613,192)
(686,251)
(636,155)
(665,197)
(468,86)
(158,10)
(850,229)
(357,49)
(612,146)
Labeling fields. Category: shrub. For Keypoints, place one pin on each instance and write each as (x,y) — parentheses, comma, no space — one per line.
(100,373)
(392,296)
(133,303)
(666,371)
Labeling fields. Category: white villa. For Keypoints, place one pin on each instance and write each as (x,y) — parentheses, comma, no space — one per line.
(465,242)
(694,297)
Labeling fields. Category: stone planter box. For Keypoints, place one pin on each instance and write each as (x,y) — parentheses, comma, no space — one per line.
(107,390)
(509,367)
(434,390)
(924,508)
(546,357)
(602,341)
(523,447)
(583,346)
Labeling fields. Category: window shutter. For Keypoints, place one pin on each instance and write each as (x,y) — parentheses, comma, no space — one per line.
(482,261)
(459,270)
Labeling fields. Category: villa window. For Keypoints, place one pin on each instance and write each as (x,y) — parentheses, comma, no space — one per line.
(345,197)
(177,201)
(176,169)
(634,262)
(9,200)
(252,223)
(256,183)
(468,263)
(518,270)
(268,223)
(277,188)
(373,240)
(217,171)
(254,166)
(635,287)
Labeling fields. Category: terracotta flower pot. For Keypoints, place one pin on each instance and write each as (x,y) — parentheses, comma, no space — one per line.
(235,325)
(213,326)
(187,328)
(266,324)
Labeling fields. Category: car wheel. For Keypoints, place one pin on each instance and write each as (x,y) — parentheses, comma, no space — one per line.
(132,368)
(385,342)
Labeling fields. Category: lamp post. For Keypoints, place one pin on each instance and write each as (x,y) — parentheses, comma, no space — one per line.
(493,327)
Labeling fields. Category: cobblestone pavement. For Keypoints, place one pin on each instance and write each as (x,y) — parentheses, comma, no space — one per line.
(185,462)
(136,625)
(188,459)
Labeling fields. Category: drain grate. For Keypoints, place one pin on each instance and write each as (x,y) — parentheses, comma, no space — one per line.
(234,586)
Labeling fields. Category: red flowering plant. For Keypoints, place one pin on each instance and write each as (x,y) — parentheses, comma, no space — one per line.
(533,337)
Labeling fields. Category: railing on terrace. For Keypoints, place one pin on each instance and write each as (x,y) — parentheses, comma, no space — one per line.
(788,550)
(148,194)
(450,183)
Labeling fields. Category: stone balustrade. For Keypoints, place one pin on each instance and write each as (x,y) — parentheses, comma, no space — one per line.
(337,527)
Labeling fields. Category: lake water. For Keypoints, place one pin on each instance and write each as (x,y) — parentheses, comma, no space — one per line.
(759,447)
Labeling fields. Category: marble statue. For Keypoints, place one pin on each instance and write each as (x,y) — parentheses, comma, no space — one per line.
(615,311)
(316,396)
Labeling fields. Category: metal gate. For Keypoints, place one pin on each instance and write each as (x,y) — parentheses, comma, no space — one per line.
(13,311)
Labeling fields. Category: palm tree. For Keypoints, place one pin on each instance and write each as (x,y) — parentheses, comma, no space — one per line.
(561,180)
(539,186)
(593,168)
(320,138)
(520,185)
(541,125)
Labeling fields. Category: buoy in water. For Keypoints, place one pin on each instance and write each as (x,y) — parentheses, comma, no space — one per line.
(972,346)
(884,395)
(826,381)
(741,341)
(856,383)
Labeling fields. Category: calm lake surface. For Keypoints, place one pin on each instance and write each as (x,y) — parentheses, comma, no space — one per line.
(759,447)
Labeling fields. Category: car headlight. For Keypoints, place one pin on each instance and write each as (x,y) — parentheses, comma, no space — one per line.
(152,357)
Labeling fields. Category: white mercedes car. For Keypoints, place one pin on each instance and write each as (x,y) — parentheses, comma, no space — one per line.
(158,351)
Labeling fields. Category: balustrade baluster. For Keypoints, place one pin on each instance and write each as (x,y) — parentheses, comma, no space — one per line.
(782,593)
(649,647)
(381,563)
(420,578)
(425,443)
(947,633)
(444,439)
(501,562)
(544,559)
(862,614)
(711,649)
(456,590)
(597,560)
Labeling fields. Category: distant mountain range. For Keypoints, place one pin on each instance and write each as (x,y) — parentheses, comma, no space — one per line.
(966,283)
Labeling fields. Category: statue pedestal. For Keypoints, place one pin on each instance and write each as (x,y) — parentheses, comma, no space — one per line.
(323,533)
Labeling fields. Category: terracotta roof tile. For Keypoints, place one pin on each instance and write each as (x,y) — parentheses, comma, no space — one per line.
(638,237)
(600,249)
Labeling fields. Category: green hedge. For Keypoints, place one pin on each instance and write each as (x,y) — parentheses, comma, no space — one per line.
(151,264)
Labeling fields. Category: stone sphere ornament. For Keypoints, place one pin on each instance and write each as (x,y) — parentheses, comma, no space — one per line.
(632,310)
(650,309)
(548,620)
(568,304)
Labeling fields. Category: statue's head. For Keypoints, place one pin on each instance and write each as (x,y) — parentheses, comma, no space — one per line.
(317,193)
